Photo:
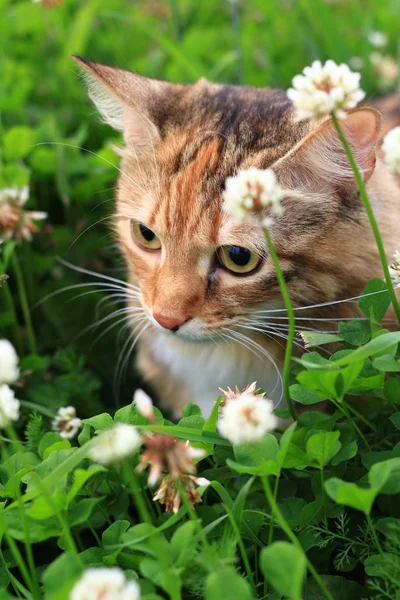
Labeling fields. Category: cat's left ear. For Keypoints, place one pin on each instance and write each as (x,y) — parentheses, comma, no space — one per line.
(319,161)
(136,105)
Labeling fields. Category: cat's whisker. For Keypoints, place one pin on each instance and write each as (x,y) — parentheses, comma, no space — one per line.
(100,287)
(93,154)
(253,347)
(270,332)
(122,363)
(112,217)
(98,275)
(321,304)
(125,310)
(111,296)
(128,319)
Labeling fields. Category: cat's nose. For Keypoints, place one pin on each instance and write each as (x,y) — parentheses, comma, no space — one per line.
(169,322)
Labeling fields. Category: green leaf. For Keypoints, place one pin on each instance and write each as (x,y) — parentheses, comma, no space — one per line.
(321,381)
(60,445)
(349,494)
(391,390)
(355,332)
(81,476)
(227,583)
(291,508)
(258,458)
(386,363)
(183,544)
(386,565)
(100,422)
(18,142)
(191,409)
(113,534)
(46,506)
(284,566)
(323,446)
(390,527)
(375,300)
(314,338)
(302,395)
(341,588)
(60,576)
(385,476)
(345,453)
(376,346)
(395,418)
(49,438)
(81,511)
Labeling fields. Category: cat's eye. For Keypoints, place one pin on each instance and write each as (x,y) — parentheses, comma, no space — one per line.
(144,236)
(237,259)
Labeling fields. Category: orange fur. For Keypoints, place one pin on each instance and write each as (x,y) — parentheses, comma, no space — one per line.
(172,181)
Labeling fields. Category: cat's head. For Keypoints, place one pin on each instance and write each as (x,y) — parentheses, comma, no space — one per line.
(199,271)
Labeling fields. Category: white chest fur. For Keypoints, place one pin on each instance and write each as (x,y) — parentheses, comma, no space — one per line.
(203,367)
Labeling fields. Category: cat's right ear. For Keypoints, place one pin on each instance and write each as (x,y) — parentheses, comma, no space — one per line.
(128,102)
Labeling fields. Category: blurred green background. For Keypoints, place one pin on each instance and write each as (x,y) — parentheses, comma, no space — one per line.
(47,121)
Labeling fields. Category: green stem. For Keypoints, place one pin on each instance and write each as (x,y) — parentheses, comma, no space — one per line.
(195,520)
(360,416)
(370,214)
(24,302)
(323,493)
(291,323)
(271,524)
(374,534)
(286,528)
(27,539)
(19,560)
(132,481)
(11,307)
(342,406)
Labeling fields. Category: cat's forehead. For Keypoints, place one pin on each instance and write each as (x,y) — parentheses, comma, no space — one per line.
(217,132)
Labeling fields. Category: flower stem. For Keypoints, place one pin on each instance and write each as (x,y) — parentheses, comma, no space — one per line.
(374,534)
(24,302)
(370,214)
(133,483)
(286,528)
(11,306)
(291,322)
(271,525)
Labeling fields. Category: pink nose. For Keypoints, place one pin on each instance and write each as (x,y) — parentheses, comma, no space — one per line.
(169,322)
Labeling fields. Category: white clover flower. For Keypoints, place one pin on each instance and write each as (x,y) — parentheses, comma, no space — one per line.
(325,89)
(391,150)
(385,68)
(170,491)
(378,39)
(66,422)
(251,192)
(115,444)
(356,62)
(9,406)
(105,584)
(394,268)
(144,404)
(15,221)
(9,371)
(246,416)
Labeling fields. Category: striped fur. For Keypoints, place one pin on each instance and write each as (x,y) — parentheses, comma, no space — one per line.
(181,144)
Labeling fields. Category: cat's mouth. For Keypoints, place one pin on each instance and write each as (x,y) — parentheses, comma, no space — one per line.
(192,330)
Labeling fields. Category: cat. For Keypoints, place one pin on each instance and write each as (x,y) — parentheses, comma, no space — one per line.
(208,303)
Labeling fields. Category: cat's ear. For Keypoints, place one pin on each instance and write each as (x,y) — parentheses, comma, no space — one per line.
(319,161)
(128,102)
